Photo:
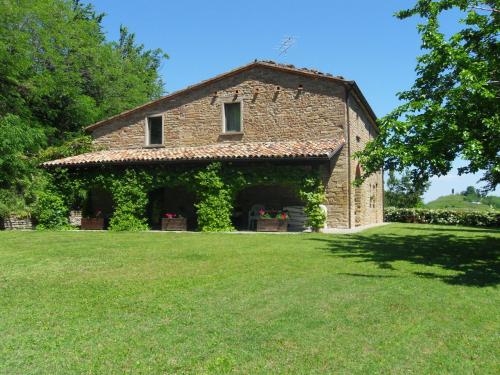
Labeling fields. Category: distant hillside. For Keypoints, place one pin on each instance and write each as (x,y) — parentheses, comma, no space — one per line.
(460,202)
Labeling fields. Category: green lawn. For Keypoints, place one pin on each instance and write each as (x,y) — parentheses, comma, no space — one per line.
(402,299)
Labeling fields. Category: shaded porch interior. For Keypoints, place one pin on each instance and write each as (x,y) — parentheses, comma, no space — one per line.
(181,201)
(178,201)
(250,200)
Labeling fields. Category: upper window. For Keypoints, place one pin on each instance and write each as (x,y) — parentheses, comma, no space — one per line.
(232,117)
(155,131)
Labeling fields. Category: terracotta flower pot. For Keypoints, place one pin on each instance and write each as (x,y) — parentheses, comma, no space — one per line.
(92,223)
(272,225)
(175,223)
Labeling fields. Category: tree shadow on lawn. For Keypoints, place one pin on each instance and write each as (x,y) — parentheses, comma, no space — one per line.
(476,259)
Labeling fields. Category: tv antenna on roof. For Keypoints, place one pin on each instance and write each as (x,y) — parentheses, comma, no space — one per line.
(286,43)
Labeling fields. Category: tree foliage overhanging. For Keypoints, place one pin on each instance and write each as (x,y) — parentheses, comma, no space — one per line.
(58,73)
(453,108)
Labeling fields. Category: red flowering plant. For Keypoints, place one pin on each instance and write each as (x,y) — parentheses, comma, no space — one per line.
(170,215)
(273,214)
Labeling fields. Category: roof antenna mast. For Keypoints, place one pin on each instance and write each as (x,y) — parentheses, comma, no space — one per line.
(286,43)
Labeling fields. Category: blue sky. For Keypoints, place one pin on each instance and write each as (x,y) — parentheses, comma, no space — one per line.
(359,40)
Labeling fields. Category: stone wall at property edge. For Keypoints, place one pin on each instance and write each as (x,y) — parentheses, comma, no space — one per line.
(274,109)
(16,223)
(75,218)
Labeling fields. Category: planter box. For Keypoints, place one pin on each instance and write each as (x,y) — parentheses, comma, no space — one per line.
(272,225)
(175,223)
(92,223)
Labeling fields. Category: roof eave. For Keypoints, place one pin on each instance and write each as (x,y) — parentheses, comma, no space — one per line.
(325,157)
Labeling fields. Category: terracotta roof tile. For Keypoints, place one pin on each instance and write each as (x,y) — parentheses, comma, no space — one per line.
(220,151)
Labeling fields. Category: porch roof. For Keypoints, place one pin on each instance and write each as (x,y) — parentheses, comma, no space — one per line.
(320,149)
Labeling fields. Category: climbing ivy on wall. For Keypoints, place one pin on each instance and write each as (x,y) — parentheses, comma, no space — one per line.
(130,197)
(215,186)
(215,200)
(313,194)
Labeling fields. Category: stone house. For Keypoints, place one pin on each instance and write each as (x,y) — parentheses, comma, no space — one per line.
(262,112)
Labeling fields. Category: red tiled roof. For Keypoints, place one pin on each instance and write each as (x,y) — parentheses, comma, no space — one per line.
(219,151)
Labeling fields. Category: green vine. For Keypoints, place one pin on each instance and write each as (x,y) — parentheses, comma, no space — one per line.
(216,200)
(130,199)
(50,211)
(215,186)
(313,194)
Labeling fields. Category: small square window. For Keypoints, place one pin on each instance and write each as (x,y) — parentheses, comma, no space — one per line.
(232,117)
(155,130)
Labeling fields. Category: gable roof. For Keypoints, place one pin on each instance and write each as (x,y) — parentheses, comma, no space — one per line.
(311,73)
(299,150)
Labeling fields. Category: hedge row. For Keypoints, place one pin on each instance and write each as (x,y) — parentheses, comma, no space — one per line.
(450,217)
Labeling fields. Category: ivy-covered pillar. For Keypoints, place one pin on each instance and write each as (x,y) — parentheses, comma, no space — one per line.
(130,198)
(312,192)
(215,204)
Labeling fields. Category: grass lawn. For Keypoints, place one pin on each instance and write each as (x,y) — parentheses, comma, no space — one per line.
(401,298)
(458,202)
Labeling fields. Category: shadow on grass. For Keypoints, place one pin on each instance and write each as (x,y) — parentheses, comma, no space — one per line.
(474,257)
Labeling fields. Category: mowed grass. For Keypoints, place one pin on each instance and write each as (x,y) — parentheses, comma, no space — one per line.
(395,299)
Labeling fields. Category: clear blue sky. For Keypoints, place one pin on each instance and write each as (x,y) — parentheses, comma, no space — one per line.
(359,40)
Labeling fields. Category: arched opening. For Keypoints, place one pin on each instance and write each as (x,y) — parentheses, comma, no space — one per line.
(176,200)
(250,200)
(357,199)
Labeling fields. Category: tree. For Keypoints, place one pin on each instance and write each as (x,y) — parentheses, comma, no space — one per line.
(402,192)
(472,194)
(453,108)
(58,74)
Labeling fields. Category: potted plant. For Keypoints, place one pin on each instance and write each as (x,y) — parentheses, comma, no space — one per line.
(93,223)
(171,221)
(272,221)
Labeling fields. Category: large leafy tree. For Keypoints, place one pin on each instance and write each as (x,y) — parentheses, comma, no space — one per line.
(58,73)
(453,108)
(402,192)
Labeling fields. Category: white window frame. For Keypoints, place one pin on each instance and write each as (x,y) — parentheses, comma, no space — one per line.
(225,101)
(146,131)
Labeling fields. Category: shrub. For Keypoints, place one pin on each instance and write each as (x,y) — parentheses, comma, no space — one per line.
(313,194)
(130,200)
(216,201)
(12,203)
(50,211)
(447,217)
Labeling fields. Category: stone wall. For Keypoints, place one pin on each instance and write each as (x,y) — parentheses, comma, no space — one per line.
(269,113)
(366,200)
(335,180)
(75,218)
(16,223)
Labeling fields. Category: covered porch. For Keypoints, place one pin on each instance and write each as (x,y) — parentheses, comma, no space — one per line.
(219,187)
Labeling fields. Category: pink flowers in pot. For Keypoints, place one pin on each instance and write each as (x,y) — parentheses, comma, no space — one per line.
(273,214)
(170,215)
